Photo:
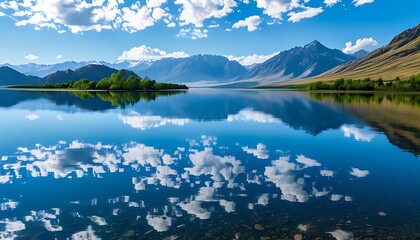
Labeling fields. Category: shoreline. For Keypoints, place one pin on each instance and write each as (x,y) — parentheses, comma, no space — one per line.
(82,90)
(185,90)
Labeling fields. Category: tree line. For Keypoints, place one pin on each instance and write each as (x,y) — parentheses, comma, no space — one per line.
(114,82)
(367,84)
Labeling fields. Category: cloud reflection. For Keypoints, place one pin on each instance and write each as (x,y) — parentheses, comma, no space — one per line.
(215,178)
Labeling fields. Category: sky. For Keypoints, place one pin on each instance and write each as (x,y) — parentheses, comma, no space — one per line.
(249,31)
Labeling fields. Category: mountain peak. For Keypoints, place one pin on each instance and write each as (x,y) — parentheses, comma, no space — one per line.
(314,43)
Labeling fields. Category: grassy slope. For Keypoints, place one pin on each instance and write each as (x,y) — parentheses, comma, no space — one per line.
(393,63)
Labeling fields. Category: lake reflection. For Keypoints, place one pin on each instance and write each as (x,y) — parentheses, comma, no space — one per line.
(215,164)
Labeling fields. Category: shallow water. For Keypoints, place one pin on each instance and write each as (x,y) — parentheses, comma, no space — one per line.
(209,164)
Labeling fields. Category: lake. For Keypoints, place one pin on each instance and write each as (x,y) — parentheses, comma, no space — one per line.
(209,164)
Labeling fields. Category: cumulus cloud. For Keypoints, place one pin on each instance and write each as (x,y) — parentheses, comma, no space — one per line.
(196,11)
(359,45)
(360,134)
(251,23)
(148,122)
(275,8)
(31,57)
(281,174)
(358,3)
(251,59)
(193,34)
(2,14)
(82,15)
(228,205)
(326,173)
(249,115)
(260,152)
(159,223)
(219,168)
(359,173)
(136,18)
(331,3)
(59,56)
(194,208)
(308,162)
(146,53)
(309,12)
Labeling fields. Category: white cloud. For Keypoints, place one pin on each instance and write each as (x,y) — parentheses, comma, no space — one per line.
(358,3)
(249,115)
(82,15)
(360,134)
(219,168)
(98,220)
(2,14)
(137,18)
(275,8)
(263,199)
(155,3)
(331,3)
(146,53)
(194,208)
(326,173)
(31,57)
(9,228)
(260,152)
(308,162)
(281,174)
(32,117)
(359,173)
(143,155)
(251,23)
(148,122)
(59,56)
(89,233)
(251,59)
(228,205)
(196,11)
(307,13)
(359,45)
(159,223)
(192,33)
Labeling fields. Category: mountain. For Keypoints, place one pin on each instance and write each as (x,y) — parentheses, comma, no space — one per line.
(296,63)
(42,70)
(197,68)
(360,53)
(9,76)
(399,58)
(93,72)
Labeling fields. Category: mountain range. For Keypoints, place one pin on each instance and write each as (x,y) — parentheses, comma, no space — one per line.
(296,63)
(400,58)
(202,70)
(311,62)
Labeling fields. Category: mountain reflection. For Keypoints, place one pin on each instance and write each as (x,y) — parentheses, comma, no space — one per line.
(397,115)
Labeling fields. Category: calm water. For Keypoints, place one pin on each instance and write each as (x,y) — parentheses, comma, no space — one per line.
(209,164)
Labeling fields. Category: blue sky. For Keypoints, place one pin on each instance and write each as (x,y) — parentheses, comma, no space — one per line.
(50,31)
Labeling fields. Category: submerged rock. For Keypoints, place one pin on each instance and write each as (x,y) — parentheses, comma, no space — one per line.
(303,227)
(259,227)
(298,237)
(342,235)
(382,214)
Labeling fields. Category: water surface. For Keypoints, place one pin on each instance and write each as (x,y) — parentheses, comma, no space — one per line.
(208,164)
